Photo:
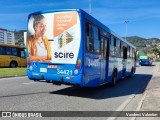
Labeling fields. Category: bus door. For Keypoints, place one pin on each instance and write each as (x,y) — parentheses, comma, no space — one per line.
(2,59)
(103,63)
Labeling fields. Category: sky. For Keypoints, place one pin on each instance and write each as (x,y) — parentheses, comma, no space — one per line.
(143,15)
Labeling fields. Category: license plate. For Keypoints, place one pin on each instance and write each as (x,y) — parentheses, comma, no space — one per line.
(43,70)
(52,66)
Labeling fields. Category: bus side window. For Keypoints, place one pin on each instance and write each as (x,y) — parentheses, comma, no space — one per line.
(124,52)
(128,51)
(14,51)
(22,54)
(95,33)
(102,47)
(134,55)
(2,50)
(118,49)
(8,50)
(131,55)
(89,40)
(112,46)
(121,49)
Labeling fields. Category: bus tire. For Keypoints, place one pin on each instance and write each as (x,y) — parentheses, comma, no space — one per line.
(49,81)
(114,78)
(13,64)
(132,71)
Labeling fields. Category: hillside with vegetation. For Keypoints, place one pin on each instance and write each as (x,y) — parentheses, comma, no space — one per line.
(150,46)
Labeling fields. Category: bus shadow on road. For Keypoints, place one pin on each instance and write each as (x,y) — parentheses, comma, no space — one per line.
(128,86)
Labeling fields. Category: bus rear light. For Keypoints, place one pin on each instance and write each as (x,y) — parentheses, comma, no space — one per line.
(78,66)
(29,63)
(79,61)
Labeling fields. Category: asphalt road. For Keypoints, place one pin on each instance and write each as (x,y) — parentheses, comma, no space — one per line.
(22,94)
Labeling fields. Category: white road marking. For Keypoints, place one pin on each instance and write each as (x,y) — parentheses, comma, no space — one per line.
(123,106)
(28,83)
(15,78)
(140,103)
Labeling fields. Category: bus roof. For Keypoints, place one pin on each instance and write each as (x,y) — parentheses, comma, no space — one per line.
(88,16)
(55,10)
(9,45)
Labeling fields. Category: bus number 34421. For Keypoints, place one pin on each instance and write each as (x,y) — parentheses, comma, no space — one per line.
(64,72)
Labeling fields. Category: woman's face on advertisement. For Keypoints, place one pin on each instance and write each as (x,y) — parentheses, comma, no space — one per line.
(41,27)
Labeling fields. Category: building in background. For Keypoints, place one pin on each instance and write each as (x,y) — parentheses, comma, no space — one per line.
(7,37)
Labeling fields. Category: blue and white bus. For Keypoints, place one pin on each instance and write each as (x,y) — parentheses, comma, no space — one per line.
(83,51)
(145,60)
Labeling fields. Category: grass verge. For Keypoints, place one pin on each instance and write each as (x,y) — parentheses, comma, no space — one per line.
(12,72)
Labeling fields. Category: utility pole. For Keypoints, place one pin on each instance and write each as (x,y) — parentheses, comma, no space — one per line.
(126,22)
(90,7)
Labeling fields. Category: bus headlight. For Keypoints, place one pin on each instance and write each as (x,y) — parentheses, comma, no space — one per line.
(75,71)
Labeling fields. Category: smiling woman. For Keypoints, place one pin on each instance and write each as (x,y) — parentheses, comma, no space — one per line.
(38,45)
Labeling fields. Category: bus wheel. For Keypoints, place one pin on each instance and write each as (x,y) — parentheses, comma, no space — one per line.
(114,78)
(132,72)
(13,64)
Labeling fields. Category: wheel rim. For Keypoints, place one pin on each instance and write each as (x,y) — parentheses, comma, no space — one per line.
(114,79)
(13,65)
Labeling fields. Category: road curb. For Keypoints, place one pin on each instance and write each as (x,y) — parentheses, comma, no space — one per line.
(12,76)
(152,93)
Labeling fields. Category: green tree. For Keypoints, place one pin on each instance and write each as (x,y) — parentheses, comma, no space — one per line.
(156,51)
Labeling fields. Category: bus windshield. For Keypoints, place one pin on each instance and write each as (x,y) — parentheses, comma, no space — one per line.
(143,57)
(54,37)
